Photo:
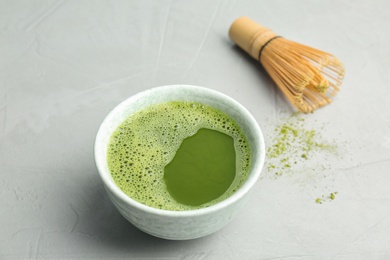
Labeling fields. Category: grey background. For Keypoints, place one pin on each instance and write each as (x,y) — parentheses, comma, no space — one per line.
(65,64)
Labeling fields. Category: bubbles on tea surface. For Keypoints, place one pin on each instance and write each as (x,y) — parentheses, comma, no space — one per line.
(145,142)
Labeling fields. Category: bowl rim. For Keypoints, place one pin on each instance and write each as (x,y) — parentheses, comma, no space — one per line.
(236,196)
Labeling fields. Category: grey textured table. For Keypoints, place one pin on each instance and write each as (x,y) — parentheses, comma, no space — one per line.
(65,64)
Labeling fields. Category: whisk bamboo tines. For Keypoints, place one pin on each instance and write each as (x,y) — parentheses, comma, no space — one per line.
(308,77)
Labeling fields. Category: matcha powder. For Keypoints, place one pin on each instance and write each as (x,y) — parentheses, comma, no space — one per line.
(301,153)
(294,148)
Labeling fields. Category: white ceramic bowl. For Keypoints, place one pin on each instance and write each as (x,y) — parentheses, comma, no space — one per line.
(179,225)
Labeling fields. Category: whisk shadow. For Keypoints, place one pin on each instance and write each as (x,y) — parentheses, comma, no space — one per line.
(260,71)
(266,83)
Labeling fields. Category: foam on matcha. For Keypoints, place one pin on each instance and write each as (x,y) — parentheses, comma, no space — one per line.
(147,141)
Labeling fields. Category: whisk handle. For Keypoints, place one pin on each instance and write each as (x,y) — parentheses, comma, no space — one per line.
(250,36)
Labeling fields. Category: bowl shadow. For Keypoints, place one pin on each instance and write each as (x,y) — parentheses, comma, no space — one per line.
(104,221)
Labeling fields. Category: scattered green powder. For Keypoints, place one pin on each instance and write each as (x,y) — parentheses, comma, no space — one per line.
(323,199)
(293,144)
(299,152)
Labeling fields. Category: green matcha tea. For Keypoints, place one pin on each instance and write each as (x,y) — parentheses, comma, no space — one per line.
(179,156)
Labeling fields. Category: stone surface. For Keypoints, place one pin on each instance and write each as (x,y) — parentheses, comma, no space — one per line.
(65,64)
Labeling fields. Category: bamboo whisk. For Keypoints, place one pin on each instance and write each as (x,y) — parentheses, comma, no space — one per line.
(308,77)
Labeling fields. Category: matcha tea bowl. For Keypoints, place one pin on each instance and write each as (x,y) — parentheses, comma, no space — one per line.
(179,161)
